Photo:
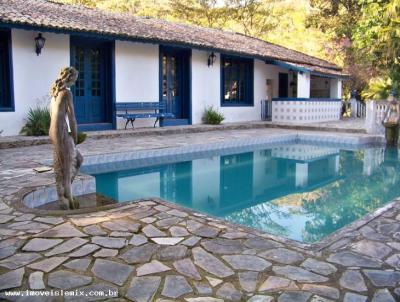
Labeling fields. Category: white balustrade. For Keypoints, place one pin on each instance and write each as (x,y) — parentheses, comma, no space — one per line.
(376,111)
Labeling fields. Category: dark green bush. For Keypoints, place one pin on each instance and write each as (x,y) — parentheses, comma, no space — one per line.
(212,116)
(38,122)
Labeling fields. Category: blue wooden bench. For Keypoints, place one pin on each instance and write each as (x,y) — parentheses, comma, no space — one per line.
(146,109)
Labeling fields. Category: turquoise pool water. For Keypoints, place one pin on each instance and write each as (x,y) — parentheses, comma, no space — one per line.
(299,191)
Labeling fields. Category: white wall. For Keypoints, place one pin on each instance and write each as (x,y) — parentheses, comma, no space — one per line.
(303,85)
(136,75)
(206,89)
(33,75)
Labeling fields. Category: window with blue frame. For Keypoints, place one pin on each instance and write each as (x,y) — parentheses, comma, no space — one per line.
(237,81)
(6,101)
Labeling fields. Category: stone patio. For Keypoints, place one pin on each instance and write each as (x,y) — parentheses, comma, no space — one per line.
(152,250)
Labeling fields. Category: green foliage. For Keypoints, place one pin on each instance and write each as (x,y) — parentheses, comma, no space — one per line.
(38,122)
(378,89)
(81,137)
(212,116)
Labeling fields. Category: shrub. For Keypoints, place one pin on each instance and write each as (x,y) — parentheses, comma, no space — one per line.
(38,122)
(81,137)
(212,116)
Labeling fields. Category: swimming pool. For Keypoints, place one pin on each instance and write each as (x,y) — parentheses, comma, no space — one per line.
(300,191)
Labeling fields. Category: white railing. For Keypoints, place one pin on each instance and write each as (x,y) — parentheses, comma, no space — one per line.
(375,114)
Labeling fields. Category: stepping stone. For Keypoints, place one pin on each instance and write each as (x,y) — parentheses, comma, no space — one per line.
(120,234)
(143,289)
(213,281)
(140,254)
(48,264)
(111,291)
(111,271)
(39,244)
(248,281)
(178,213)
(223,246)
(6,218)
(105,253)
(247,262)
(171,253)
(187,268)
(64,230)
(235,235)
(351,297)
(353,280)
(175,287)
(383,278)
(319,267)
(36,281)
(148,220)
(154,267)
(353,259)
(282,255)
(80,265)
(203,288)
(66,280)
(191,241)
(12,279)
(85,221)
(122,225)
(322,290)
(229,292)
(137,240)
(167,222)
(113,243)
(167,240)
(7,251)
(274,283)
(18,260)
(372,249)
(24,217)
(298,274)
(383,295)
(151,231)
(67,246)
(261,244)
(94,230)
(294,297)
(206,231)
(203,299)
(210,263)
(261,298)
(85,250)
(178,231)
(50,220)
(394,261)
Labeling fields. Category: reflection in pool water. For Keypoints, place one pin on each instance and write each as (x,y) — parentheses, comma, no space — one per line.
(299,191)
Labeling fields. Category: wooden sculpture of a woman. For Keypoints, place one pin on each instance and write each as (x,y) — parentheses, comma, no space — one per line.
(63,135)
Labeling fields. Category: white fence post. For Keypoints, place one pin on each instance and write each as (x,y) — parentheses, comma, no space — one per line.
(370,116)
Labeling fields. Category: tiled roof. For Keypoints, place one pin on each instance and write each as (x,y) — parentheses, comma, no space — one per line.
(56,16)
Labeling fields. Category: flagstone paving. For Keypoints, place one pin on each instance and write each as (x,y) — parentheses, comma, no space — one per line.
(151,250)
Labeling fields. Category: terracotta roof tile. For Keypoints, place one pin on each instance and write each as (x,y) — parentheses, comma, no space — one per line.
(51,15)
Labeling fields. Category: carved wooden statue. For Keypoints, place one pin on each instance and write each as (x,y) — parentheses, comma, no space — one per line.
(63,135)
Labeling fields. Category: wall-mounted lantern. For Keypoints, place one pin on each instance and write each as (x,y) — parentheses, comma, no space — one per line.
(39,43)
(211,59)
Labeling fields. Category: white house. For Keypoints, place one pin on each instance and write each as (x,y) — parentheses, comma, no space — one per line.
(122,58)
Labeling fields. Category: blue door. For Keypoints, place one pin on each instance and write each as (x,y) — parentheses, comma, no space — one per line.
(92,89)
(175,84)
(283,85)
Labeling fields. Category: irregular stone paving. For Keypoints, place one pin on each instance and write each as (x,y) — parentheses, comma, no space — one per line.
(170,254)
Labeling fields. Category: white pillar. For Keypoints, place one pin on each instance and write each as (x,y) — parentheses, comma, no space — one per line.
(303,84)
(370,116)
(301,175)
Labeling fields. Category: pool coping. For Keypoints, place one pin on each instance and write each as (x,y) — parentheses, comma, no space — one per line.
(349,142)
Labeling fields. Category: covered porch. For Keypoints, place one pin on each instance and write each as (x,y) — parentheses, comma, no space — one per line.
(302,95)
